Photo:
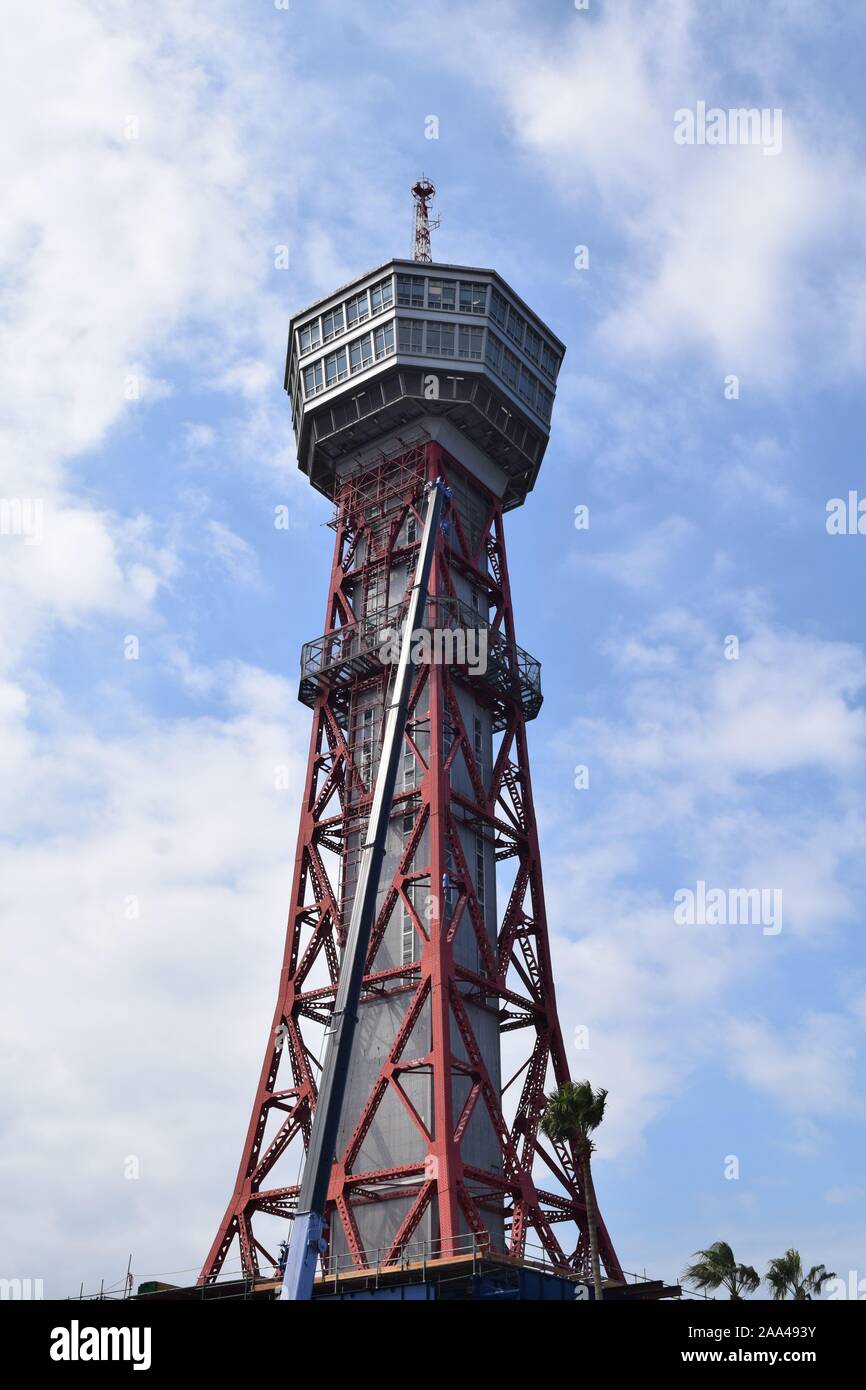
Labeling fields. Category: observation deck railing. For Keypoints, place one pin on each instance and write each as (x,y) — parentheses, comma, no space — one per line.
(361,649)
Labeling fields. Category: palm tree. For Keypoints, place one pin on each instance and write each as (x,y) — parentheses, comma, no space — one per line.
(573,1111)
(816,1279)
(785,1275)
(716,1268)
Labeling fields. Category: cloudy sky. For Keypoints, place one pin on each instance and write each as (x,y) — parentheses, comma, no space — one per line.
(156,159)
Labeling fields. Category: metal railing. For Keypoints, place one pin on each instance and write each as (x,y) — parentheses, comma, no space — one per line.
(358,649)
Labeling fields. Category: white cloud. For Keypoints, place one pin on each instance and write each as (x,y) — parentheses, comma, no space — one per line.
(144,1025)
(789,702)
(695,777)
(645,559)
(233,553)
(727,248)
(809,1071)
(199,436)
(136,223)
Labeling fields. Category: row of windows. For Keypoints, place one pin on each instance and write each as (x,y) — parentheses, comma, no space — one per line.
(521,332)
(346,361)
(420,292)
(439,339)
(464,296)
(367,304)
(518,376)
(433,338)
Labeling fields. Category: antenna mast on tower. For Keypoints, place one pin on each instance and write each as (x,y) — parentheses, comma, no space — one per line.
(423,192)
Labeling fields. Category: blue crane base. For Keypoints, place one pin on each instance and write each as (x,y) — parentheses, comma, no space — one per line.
(306,1245)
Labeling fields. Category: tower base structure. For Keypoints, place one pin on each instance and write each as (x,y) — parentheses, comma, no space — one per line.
(436,1145)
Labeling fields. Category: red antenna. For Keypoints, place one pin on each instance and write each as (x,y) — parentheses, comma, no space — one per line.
(423,191)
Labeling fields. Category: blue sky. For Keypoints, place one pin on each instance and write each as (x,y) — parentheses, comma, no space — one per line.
(161,156)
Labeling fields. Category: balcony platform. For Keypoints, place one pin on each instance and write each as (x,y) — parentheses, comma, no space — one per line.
(352,653)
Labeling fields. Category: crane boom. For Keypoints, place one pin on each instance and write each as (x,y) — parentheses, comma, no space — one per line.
(307,1239)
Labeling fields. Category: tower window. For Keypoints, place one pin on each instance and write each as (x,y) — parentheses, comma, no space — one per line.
(333,323)
(549,361)
(410,291)
(381,295)
(516,326)
(498,308)
(361,353)
(310,336)
(410,335)
(441,294)
(510,367)
(408,937)
(336,367)
(494,351)
(469,339)
(313,380)
(365,746)
(532,346)
(440,339)
(384,339)
(408,777)
(479,867)
(357,308)
(545,402)
(528,385)
(473,297)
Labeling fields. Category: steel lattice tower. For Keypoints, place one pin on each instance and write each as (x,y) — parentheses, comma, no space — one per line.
(412,372)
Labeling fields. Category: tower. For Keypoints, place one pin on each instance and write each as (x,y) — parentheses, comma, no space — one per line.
(412,372)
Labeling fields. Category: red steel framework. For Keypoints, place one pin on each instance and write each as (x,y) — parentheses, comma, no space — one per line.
(514,979)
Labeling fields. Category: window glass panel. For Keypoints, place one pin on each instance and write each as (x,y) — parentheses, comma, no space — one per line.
(410,335)
(410,291)
(498,307)
(441,294)
(357,309)
(528,385)
(440,339)
(407,933)
(494,350)
(516,326)
(335,367)
(333,323)
(381,295)
(361,353)
(549,361)
(469,344)
(473,297)
(310,336)
(510,367)
(532,344)
(313,381)
(384,339)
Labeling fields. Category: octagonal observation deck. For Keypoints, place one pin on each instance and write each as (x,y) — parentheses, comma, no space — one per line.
(412,340)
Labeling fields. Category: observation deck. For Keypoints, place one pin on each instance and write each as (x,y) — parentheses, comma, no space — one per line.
(410,340)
